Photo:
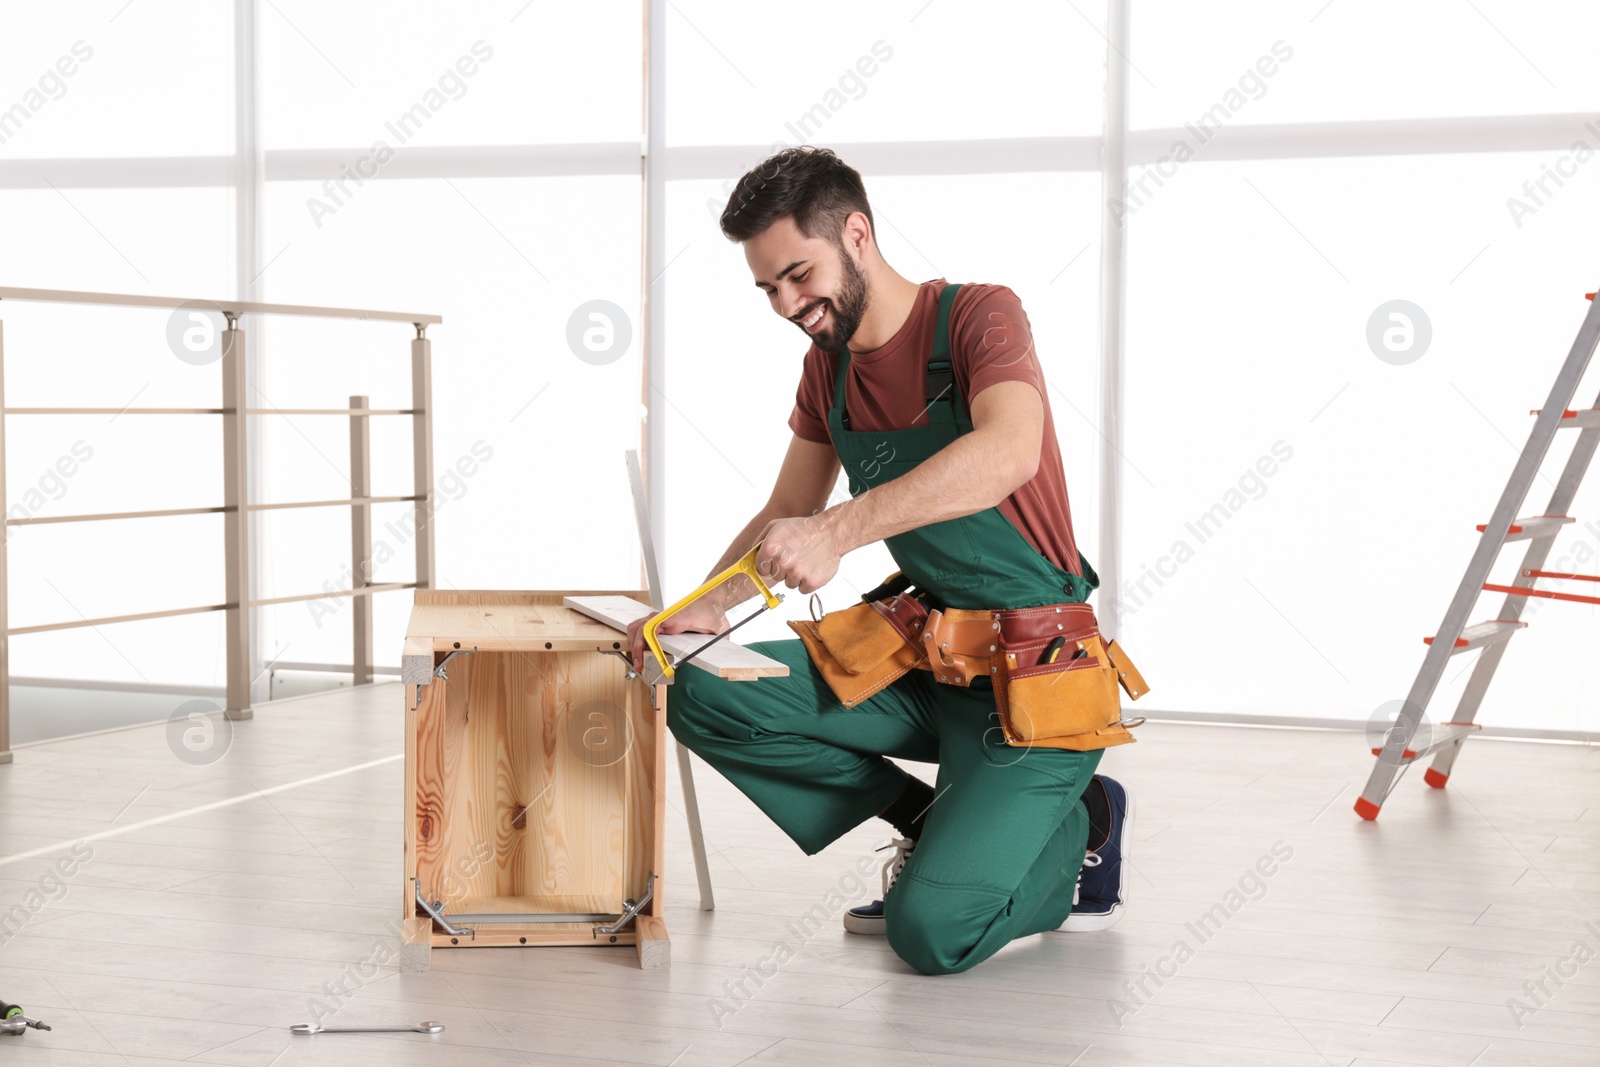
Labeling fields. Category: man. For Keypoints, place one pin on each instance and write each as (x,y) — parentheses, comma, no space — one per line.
(974,509)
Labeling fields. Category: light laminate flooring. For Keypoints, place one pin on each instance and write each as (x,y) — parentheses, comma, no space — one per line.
(200,930)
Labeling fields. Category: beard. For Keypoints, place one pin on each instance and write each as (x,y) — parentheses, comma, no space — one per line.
(848,305)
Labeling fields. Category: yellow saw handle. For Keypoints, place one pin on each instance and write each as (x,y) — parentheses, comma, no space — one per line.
(746,565)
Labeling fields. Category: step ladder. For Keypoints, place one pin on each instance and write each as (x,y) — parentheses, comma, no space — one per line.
(1401,745)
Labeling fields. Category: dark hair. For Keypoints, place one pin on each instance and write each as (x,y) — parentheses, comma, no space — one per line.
(811,185)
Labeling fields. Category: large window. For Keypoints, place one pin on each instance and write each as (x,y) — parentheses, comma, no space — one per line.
(1295,170)
(843,72)
(1301,472)
(482,164)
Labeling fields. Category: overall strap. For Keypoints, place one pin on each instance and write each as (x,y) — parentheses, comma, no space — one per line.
(939,378)
(939,381)
(841,371)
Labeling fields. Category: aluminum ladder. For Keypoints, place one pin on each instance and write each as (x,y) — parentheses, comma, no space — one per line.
(1401,746)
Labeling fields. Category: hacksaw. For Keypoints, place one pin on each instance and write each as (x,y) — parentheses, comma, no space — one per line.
(747,566)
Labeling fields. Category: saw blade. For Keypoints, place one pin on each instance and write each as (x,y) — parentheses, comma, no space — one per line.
(762,610)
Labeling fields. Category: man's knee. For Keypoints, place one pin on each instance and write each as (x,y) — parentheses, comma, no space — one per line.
(699,705)
(685,707)
(935,927)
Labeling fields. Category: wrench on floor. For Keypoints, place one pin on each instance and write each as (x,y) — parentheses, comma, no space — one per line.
(316,1028)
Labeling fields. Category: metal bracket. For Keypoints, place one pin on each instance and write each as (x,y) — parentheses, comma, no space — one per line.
(626,659)
(630,910)
(651,675)
(436,912)
(438,672)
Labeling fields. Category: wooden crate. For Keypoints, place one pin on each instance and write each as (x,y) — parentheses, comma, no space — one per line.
(535,775)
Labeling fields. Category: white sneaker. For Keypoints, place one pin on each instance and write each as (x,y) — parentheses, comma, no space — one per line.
(868,918)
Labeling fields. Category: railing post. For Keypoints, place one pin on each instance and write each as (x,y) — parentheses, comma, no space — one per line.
(5,587)
(236,520)
(422,452)
(361,539)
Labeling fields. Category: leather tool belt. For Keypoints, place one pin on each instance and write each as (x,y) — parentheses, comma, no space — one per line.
(1048,694)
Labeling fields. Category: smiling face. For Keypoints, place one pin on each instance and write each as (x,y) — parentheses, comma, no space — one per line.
(812,282)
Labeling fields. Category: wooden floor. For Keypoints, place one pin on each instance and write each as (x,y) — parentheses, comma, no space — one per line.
(202,938)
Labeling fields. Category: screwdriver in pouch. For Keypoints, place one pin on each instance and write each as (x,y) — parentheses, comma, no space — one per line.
(1053,649)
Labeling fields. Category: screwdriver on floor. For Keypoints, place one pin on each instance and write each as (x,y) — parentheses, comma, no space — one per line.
(13,1021)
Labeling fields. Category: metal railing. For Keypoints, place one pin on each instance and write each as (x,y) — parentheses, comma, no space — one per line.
(236,505)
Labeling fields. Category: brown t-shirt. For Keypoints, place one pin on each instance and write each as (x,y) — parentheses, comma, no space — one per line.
(990,342)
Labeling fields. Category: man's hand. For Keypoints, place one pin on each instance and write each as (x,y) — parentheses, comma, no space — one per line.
(800,553)
(698,618)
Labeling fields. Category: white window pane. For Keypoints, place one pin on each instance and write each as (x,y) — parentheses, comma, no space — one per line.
(350,75)
(59,466)
(528,436)
(732,365)
(112,79)
(168,242)
(163,241)
(839,71)
(1358,59)
(1251,291)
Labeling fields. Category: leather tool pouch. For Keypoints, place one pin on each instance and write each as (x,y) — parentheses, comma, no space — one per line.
(961,645)
(862,648)
(1071,703)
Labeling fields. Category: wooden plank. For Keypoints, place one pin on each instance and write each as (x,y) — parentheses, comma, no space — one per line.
(518,596)
(653,754)
(576,838)
(639,820)
(416,944)
(416,661)
(544,934)
(655,950)
(408,900)
(724,659)
(436,786)
(507,621)
(542,904)
(499,628)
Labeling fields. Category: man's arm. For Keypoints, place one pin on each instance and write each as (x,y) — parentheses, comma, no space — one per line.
(804,480)
(974,472)
(809,471)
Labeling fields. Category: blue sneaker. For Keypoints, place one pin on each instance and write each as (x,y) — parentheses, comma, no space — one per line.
(868,918)
(1101,896)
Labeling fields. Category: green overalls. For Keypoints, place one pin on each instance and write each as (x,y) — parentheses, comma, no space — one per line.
(1004,840)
